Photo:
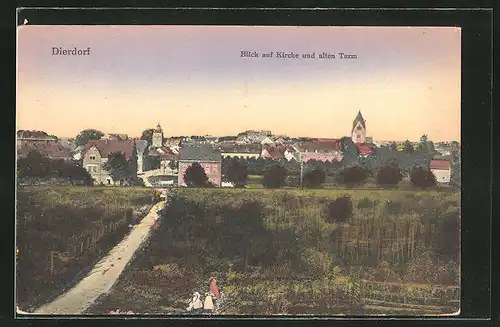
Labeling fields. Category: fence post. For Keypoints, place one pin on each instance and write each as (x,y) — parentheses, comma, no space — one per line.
(51,263)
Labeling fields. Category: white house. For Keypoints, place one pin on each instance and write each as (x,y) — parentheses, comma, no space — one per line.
(267,140)
(442,170)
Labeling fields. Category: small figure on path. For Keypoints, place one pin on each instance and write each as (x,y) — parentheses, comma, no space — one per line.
(195,305)
(213,288)
(208,304)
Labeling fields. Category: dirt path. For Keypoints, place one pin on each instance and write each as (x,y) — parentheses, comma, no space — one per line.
(105,272)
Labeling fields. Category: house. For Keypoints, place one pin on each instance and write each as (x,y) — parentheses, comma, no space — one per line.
(365,149)
(235,150)
(166,155)
(319,149)
(253,136)
(95,155)
(291,153)
(208,157)
(114,137)
(52,149)
(442,170)
(273,152)
(267,140)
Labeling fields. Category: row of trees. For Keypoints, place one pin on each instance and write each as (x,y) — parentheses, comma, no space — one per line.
(36,165)
(275,176)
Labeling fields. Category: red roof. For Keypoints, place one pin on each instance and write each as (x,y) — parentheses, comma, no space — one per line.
(440,164)
(272,152)
(51,149)
(165,153)
(364,148)
(321,145)
(106,147)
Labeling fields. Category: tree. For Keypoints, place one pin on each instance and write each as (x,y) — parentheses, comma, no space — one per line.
(195,176)
(408,147)
(393,146)
(147,135)
(173,165)
(340,209)
(274,177)
(34,165)
(152,162)
(118,167)
(88,135)
(353,175)
(132,163)
(422,177)
(390,174)
(315,178)
(75,172)
(237,173)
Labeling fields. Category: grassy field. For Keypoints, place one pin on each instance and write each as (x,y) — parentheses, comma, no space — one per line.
(278,252)
(61,231)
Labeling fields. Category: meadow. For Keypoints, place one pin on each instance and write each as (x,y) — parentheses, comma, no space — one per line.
(282,252)
(62,231)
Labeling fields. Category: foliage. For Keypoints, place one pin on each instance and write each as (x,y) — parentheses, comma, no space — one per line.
(119,168)
(389,175)
(315,178)
(173,165)
(237,173)
(340,209)
(151,162)
(38,166)
(147,135)
(88,135)
(408,147)
(80,223)
(353,175)
(195,176)
(274,177)
(422,177)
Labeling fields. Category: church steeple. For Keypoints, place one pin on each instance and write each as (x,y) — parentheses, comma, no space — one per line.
(358,131)
(158,137)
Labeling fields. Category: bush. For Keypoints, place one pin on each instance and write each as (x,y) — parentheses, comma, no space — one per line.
(340,209)
(195,176)
(366,203)
(315,178)
(422,178)
(353,175)
(237,173)
(389,175)
(274,177)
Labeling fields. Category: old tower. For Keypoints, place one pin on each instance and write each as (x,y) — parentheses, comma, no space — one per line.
(358,131)
(157,137)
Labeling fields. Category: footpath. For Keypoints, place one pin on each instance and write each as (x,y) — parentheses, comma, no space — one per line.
(105,273)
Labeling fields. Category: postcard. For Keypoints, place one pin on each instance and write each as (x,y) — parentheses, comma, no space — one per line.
(208,171)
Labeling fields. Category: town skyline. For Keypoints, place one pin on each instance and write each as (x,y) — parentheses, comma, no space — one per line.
(405,81)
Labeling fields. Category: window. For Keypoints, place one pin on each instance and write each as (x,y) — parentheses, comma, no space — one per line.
(92,168)
(92,157)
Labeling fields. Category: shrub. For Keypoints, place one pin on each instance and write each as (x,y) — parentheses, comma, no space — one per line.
(353,175)
(366,203)
(340,209)
(315,178)
(195,176)
(316,263)
(237,173)
(274,177)
(422,178)
(389,175)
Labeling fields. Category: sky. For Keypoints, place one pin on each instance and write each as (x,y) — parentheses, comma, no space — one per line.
(193,81)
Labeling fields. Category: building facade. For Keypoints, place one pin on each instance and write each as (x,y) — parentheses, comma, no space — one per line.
(358,131)
(442,170)
(95,155)
(209,159)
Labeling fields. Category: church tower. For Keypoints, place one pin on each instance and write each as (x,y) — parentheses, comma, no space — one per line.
(358,131)
(157,137)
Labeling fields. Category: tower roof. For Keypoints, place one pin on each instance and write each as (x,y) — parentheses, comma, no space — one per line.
(359,118)
(158,128)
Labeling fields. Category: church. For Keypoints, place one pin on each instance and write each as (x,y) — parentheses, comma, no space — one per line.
(359,138)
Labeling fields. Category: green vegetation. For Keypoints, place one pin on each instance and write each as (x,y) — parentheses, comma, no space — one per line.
(80,224)
(291,251)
